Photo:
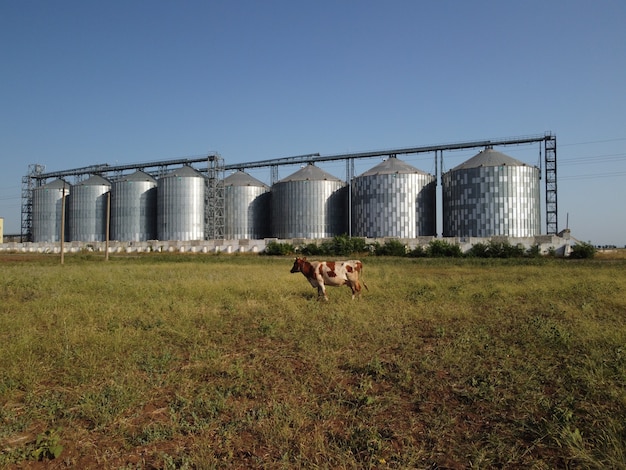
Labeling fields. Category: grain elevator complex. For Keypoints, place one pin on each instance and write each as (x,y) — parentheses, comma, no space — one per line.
(187,200)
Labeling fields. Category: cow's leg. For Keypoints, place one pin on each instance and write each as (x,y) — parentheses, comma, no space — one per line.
(321,292)
(350,284)
(355,287)
(321,288)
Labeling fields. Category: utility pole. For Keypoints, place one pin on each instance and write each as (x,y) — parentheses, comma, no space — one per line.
(63,225)
(108,224)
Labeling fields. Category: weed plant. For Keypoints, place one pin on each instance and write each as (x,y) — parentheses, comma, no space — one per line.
(206,361)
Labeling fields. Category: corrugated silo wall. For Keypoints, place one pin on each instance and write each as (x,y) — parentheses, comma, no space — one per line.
(309,209)
(87,208)
(492,201)
(180,208)
(48,213)
(394,205)
(246,212)
(133,210)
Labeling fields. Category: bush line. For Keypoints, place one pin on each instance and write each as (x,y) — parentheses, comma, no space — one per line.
(343,245)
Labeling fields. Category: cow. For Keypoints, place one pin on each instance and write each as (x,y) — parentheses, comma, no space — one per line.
(331,273)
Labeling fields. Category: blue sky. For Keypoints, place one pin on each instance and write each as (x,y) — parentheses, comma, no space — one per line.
(86,82)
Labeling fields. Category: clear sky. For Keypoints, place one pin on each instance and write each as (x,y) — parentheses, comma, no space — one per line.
(86,82)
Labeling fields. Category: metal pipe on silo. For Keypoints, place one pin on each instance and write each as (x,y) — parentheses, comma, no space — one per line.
(108,227)
(63,223)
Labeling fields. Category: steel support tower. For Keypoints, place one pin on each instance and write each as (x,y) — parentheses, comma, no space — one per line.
(29,182)
(214,199)
(552,206)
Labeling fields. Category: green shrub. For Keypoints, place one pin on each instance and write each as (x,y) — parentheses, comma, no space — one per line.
(506,250)
(479,250)
(340,245)
(534,251)
(278,249)
(358,245)
(417,252)
(583,250)
(310,249)
(441,249)
(497,249)
(390,248)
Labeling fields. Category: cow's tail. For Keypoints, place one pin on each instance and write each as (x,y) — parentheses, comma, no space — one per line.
(362,281)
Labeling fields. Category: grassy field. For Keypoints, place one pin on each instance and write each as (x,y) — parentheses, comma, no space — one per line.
(209,361)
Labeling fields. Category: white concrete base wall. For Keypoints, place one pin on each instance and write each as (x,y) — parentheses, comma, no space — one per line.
(547,243)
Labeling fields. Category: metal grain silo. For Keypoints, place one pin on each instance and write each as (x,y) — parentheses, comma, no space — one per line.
(489,195)
(309,204)
(134,208)
(393,199)
(48,211)
(87,210)
(180,205)
(246,207)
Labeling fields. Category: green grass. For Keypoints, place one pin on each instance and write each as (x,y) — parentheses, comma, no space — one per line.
(203,361)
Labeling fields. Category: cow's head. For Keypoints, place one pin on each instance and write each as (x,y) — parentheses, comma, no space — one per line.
(297,265)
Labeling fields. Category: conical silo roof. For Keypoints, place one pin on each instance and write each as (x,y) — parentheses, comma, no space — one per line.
(138,176)
(241,178)
(393,166)
(95,180)
(56,184)
(489,157)
(310,173)
(185,171)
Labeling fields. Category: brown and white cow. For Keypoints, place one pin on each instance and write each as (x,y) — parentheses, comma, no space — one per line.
(331,273)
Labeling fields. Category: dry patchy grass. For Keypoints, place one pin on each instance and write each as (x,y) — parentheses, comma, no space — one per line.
(168,361)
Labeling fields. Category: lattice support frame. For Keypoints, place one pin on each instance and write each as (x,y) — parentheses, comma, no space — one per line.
(29,182)
(552,212)
(214,199)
